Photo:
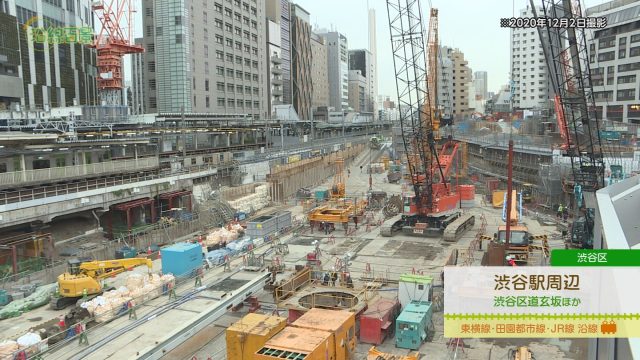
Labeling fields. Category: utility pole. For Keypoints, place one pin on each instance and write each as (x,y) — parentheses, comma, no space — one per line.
(344,136)
(184,134)
(313,136)
(509,189)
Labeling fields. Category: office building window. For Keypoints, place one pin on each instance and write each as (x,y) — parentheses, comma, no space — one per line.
(206,85)
(221,102)
(220,86)
(206,102)
(151,66)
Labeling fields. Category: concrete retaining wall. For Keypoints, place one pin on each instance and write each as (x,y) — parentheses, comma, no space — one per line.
(285,180)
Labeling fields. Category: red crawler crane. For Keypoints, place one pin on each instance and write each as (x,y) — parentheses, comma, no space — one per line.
(113,42)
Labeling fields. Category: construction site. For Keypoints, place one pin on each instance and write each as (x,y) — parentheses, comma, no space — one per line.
(223,237)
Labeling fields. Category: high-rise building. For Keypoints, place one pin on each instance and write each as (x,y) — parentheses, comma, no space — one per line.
(209,57)
(362,61)
(136,103)
(358,91)
(457,83)
(301,61)
(528,66)
(38,72)
(338,69)
(274,85)
(279,11)
(480,85)
(373,79)
(445,85)
(319,74)
(614,57)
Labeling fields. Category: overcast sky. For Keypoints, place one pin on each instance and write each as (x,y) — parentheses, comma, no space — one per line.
(473,26)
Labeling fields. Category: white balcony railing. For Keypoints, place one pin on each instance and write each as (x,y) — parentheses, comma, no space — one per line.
(65,172)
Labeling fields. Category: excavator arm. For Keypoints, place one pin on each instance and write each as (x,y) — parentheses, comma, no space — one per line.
(103,269)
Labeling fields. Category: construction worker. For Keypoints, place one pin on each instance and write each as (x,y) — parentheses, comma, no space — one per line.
(349,282)
(84,294)
(334,278)
(132,310)
(172,290)
(199,277)
(82,328)
(565,213)
(325,279)
(559,213)
(61,322)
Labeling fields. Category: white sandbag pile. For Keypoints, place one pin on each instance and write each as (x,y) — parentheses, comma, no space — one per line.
(8,348)
(139,287)
(28,339)
(223,234)
(254,202)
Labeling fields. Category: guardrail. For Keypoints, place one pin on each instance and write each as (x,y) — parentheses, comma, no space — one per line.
(65,172)
(9,197)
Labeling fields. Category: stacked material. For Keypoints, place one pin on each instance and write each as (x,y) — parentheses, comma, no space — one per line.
(216,257)
(31,343)
(8,348)
(138,287)
(239,246)
(254,202)
(223,234)
(40,297)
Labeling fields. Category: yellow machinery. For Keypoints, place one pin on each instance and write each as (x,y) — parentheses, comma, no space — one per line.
(83,278)
(520,241)
(527,193)
(337,212)
(375,354)
(338,189)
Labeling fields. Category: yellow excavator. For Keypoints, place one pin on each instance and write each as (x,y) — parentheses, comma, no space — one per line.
(84,278)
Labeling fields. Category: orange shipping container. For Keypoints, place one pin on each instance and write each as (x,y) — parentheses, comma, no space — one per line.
(341,324)
(297,343)
(467,192)
(248,335)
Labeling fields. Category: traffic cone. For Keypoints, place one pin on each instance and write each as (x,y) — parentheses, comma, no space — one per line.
(159,254)
(149,250)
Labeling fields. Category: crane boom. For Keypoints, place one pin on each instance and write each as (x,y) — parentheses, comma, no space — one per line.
(433,204)
(567,58)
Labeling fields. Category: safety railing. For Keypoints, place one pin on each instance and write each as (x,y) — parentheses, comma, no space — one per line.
(9,197)
(66,172)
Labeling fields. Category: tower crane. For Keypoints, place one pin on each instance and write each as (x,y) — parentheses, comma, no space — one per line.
(113,42)
(432,208)
(565,51)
